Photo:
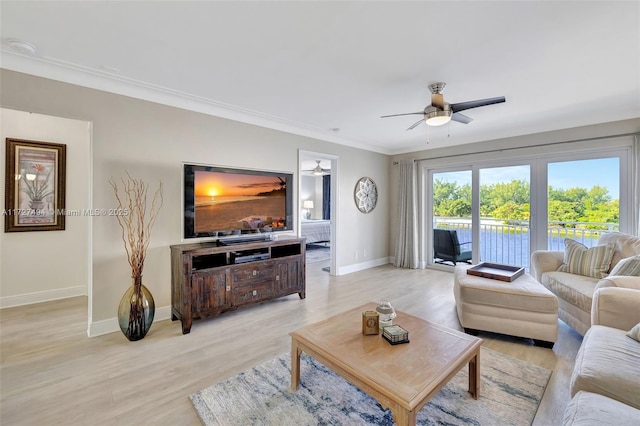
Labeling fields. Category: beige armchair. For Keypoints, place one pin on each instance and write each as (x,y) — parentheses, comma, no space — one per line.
(608,362)
(605,384)
(575,292)
(616,307)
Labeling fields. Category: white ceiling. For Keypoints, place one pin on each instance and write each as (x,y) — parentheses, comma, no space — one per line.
(331,69)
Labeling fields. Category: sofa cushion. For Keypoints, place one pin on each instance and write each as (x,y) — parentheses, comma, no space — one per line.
(591,409)
(591,262)
(634,333)
(628,266)
(625,245)
(575,289)
(608,363)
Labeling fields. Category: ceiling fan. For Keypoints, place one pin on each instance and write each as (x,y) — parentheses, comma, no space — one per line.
(318,170)
(441,112)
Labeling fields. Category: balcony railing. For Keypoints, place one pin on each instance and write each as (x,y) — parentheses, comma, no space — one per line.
(507,241)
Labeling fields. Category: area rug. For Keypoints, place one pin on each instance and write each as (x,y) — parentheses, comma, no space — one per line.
(510,393)
(317,253)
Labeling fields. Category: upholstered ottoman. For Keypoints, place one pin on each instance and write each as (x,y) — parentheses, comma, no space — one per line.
(523,308)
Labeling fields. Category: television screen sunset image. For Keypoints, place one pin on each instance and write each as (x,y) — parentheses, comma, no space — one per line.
(231,201)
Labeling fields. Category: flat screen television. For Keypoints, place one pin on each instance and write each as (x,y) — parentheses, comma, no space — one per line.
(223,201)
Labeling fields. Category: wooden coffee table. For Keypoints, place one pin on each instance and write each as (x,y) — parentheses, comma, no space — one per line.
(401,377)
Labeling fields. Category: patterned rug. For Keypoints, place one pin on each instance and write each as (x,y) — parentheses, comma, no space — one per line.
(510,393)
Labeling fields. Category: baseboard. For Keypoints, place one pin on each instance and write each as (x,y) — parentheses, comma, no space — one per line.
(363,265)
(110,325)
(42,296)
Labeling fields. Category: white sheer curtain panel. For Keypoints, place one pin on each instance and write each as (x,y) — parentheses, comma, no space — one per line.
(635,183)
(407,242)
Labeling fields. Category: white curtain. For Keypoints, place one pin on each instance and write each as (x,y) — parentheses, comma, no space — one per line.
(635,185)
(407,242)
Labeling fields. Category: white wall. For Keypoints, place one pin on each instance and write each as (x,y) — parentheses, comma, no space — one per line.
(307,191)
(150,141)
(311,189)
(46,265)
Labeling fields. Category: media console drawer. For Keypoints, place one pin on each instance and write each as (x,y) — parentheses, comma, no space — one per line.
(206,279)
(251,271)
(252,292)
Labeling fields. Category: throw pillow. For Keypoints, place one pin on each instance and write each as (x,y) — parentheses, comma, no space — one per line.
(627,266)
(593,262)
(634,333)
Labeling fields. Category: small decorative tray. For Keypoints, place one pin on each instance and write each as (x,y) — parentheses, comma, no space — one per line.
(496,271)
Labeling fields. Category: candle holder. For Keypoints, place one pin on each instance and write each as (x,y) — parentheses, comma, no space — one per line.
(386,313)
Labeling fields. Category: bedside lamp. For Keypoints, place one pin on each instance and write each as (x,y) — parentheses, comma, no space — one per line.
(308,206)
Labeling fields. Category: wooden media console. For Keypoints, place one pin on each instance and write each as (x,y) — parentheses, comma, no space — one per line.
(210,278)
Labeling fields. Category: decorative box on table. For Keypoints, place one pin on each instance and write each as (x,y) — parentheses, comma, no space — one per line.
(370,322)
(395,334)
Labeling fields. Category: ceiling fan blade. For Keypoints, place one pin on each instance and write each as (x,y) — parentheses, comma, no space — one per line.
(406,113)
(461,118)
(461,106)
(437,100)
(414,125)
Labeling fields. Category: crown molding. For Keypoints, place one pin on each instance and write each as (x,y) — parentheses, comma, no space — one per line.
(88,77)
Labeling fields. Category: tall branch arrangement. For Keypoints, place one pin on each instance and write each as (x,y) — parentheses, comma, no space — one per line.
(134,218)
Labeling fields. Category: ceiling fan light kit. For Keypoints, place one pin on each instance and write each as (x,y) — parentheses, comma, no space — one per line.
(318,170)
(437,117)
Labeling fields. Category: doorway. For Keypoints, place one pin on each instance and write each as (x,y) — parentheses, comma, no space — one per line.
(317,207)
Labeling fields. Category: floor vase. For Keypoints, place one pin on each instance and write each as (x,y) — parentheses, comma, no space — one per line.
(136,311)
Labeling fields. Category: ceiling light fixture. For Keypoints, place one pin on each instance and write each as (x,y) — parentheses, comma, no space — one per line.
(317,170)
(21,46)
(438,117)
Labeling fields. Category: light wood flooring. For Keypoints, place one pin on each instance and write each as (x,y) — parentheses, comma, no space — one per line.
(52,373)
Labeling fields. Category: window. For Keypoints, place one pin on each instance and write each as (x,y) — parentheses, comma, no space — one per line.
(509,208)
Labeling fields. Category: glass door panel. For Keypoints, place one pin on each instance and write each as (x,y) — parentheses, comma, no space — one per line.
(452,213)
(583,200)
(505,214)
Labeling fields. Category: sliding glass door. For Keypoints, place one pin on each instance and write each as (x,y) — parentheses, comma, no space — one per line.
(506,210)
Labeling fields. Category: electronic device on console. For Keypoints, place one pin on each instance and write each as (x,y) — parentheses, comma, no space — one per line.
(248,256)
(246,240)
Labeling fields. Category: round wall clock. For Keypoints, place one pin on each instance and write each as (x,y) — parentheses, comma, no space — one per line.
(365,194)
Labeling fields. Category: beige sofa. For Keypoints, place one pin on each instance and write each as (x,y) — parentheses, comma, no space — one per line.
(605,384)
(575,292)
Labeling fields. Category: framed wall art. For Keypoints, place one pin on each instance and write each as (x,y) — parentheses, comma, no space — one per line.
(34,186)
(365,194)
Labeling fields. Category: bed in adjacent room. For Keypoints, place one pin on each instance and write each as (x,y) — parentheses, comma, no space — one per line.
(316,231)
